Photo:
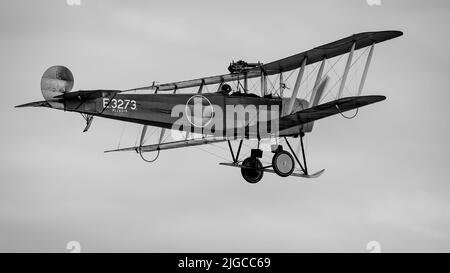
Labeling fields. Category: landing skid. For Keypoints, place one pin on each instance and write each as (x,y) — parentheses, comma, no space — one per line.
(314,175)
(268,170)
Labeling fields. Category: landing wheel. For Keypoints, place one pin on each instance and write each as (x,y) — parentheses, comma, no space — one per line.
(283,163)
(255,174)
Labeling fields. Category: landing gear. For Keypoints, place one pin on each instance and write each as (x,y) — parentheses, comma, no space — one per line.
(283,163)
(251,167)
(252,170)
(303,166)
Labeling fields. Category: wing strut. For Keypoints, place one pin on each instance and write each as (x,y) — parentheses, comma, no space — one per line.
(282,85)
(263,83)
(245,83)
(366,70)
(200,89)
(347,68)
(296,87)
(143,133)
(313,101)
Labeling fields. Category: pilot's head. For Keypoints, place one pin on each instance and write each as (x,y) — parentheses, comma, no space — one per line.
(226,88)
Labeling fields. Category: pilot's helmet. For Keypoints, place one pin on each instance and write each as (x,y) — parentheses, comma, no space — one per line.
(226,88)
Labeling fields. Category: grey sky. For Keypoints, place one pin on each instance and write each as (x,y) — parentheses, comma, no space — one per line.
(387,170)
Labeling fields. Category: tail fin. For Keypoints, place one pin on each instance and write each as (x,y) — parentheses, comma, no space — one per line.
(56,81)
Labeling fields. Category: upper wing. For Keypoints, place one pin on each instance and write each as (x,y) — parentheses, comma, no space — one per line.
(326,110)
(330,50)
(314,55)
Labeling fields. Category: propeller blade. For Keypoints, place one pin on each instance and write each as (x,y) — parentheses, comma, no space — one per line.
(317,93)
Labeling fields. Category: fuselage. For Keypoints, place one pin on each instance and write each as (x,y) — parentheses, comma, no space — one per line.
(215,114)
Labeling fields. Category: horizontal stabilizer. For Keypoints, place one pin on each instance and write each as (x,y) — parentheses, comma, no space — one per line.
(327,109)
(77,95)
(35,104)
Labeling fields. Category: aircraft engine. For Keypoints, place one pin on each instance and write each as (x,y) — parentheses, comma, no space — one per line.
(56,81)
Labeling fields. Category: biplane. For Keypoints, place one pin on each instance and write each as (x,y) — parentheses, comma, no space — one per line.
(253,102)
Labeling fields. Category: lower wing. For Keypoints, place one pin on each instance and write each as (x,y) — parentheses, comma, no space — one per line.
(327,109)
(286,122)
(171,145)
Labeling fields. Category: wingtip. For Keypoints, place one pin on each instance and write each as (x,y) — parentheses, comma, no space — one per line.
(381,97)
(129,149)
(398,33)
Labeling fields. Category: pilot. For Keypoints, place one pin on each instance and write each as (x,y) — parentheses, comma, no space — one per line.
(226,89)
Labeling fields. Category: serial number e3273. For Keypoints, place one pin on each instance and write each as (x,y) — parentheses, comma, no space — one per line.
(119,105)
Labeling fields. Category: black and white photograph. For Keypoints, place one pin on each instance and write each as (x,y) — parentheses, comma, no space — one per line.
(245,127)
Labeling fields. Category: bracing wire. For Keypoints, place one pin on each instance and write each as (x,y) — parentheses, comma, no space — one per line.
(211,153)
(340,78)
(121,135)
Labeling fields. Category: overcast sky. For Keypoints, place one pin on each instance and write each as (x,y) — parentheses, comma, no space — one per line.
(387,172)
